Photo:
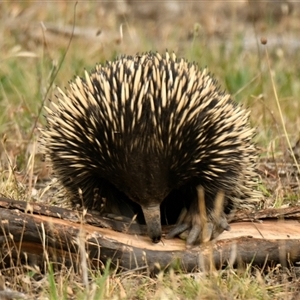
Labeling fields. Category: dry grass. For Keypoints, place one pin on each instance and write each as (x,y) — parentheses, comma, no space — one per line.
(45,43)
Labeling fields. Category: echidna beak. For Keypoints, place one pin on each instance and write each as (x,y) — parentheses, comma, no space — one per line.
(152,218)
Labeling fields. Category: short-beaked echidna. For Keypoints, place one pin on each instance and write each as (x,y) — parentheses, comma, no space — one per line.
(145,134)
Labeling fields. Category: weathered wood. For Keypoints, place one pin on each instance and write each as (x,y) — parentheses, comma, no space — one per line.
(291,213)
(41,231)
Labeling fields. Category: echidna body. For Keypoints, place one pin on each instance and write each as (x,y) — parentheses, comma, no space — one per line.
(143,129)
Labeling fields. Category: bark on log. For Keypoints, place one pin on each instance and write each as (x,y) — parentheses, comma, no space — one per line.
(32,233)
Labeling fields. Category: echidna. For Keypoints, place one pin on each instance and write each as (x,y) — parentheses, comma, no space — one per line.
(145,132)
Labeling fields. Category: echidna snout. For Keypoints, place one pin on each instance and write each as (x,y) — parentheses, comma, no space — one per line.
(153,221)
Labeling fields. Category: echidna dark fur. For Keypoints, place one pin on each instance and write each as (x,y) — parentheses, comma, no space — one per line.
(145,135)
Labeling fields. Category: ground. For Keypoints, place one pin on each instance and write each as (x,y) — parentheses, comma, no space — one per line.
(251,47)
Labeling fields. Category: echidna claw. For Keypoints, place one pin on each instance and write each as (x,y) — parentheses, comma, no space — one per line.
(177,230)
(224,224)
(194,235)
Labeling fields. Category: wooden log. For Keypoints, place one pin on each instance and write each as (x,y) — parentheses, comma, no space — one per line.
(34,233)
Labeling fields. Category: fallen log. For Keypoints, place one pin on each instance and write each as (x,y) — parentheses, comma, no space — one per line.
(34,233)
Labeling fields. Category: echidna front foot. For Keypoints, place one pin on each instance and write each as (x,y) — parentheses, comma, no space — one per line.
(201,233)
(200,223)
